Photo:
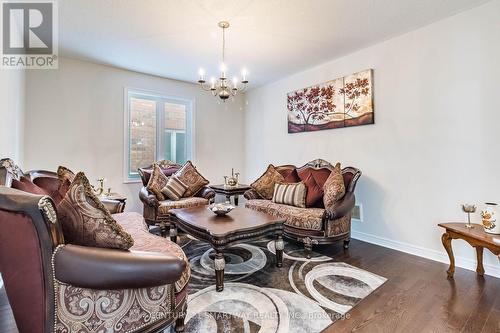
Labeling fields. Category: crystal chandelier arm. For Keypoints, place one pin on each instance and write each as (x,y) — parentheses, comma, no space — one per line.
(205,86)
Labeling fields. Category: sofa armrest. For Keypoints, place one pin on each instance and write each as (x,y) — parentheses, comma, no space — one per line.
(251,194)
(149,199)
(341,207)
(99,268)
(206,192)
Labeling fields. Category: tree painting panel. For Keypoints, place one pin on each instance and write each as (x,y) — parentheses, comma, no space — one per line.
(338,103)
(358,99)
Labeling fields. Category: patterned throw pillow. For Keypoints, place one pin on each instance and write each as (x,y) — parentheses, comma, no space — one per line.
(334,187)
(264,186)
(66,177)
(174,189)
(290,194)
(157,182)
(85,221)
(192,178)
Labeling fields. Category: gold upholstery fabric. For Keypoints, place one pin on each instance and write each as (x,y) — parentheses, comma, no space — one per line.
(157,182)
(192,178)
(264,186)
(85,221)
(167,205)
(303,218)
(334,187)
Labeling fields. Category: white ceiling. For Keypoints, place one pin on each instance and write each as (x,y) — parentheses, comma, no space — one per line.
(272,38)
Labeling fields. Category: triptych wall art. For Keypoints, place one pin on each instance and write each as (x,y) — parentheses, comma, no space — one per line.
(343,102)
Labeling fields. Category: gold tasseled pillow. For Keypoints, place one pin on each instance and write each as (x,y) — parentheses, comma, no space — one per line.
(334,187)
(157,182)
(264,186)
(191,178)
(66,177)
(85,221)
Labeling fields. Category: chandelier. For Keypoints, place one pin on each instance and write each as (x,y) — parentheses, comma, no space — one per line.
(221,87)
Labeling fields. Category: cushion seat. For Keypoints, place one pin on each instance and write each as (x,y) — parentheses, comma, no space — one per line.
(167,205)
(135,225)
(303,218)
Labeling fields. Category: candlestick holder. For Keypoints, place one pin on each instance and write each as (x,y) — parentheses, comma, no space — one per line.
(468,208)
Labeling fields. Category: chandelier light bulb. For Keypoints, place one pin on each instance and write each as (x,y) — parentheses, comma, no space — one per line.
(201,72)
(244,74)
(212,82)
(223,69)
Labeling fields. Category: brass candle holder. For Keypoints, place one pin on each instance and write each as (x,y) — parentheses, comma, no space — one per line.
(468,208)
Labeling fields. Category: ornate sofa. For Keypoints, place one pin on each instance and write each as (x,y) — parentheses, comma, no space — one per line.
(315,225)
(58,287)
(157,212)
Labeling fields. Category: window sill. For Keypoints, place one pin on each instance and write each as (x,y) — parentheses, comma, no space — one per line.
(131,181)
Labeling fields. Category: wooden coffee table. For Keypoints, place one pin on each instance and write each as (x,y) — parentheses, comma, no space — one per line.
(239,226)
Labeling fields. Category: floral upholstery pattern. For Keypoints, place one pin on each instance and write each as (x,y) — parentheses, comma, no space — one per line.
(192,178)
(303,218)
(264,186)
(144,241)
(334,187)
(85,221)
(340,226)
(127,310)
(251,194)
(157,182)
(167,205)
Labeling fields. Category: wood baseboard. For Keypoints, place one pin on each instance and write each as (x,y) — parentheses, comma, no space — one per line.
(440,256)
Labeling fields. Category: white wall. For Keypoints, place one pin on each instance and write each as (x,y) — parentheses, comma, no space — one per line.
(12,94)
(75,118)
(435,141)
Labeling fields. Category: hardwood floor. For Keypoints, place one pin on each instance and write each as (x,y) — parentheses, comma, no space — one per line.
(416,298)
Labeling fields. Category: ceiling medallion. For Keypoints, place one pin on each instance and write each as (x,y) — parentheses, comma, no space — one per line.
(221,87)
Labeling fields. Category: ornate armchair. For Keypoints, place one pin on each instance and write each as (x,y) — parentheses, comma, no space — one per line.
(157,212)
(315,225)
(57,287)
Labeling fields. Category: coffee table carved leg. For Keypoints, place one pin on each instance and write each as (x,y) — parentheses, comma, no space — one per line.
(173,233)
(446,239)
(279,246)
(219,264)
(236,197)
(480,267)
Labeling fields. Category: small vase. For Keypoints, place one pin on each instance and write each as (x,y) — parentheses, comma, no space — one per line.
(489,218)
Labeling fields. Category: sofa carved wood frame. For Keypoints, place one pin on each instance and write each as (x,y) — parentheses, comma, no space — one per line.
(342,209)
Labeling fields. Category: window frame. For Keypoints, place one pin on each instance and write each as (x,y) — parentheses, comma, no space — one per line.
(132,176)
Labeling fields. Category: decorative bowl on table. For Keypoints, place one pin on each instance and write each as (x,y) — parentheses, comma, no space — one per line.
(221,209)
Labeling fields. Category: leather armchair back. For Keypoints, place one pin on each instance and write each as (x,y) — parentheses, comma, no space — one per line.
(29,233)
(168,168)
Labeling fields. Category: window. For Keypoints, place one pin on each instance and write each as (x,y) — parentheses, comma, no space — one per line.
(157,127)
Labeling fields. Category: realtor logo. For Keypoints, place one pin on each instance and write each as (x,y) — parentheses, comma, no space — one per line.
(29,34)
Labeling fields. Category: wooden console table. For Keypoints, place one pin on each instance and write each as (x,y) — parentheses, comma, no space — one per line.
(476,237)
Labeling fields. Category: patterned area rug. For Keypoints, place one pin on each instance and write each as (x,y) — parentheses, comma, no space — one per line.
(302,296)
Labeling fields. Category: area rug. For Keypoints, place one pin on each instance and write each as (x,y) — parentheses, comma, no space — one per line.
(302,296)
